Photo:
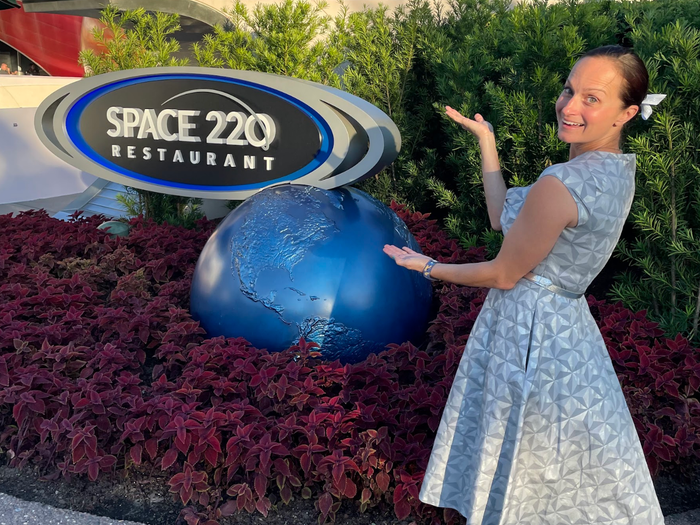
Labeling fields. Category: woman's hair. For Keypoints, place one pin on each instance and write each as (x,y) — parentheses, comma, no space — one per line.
(632,68)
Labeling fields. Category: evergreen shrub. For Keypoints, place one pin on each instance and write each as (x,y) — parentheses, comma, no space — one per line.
(510,63)
(663,254)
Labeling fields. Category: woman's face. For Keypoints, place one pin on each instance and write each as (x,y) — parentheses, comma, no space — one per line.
(590,111)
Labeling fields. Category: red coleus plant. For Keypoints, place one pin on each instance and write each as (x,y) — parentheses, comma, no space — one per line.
(103,369)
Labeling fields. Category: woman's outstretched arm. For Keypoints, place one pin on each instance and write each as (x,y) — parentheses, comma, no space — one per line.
(547,210)
(494,185)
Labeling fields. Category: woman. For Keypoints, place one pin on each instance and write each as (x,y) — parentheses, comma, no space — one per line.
(536,430)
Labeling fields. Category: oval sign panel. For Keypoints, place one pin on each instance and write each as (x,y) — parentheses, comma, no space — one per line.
(215,133)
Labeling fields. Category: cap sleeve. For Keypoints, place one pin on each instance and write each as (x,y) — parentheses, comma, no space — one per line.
(581,185)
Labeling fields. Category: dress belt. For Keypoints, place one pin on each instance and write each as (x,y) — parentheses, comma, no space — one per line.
(548,285)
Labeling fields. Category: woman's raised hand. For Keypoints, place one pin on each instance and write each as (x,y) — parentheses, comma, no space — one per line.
(477,127)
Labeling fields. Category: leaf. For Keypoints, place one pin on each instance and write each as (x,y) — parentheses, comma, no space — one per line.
(135,454)
(182,446)
(663,453)
(186,494)
(260,484)
(229,508)
(383,481)
(151,447)
(399,493)
(286,495)
(324,504)
(93,471)
(402,509)
(294,481)
(211,456)
(263,506)
(84,402)
(350,489)
(169,458)
(338,471)
(366,495)
(4,374)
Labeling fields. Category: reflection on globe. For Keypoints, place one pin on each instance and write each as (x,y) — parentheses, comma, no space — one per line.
(296,261)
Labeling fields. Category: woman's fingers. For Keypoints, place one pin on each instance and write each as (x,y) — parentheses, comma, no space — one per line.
(477,127)
(390,249)
(454,115)
(474,126)
(395,251)
(406,257)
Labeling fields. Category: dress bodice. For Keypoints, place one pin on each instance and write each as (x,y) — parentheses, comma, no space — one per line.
(602,185)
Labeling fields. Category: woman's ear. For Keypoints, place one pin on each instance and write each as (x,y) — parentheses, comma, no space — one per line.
(627,114)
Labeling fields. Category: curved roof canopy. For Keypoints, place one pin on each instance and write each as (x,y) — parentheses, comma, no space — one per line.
(194,9)
(9,4)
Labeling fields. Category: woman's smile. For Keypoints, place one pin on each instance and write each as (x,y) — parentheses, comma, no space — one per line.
(571,124)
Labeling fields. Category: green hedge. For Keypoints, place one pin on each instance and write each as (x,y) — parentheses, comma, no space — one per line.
(509,63)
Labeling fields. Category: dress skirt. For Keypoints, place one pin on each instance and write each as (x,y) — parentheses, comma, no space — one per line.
(536,430)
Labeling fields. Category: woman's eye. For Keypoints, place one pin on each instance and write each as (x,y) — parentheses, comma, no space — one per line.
(592,100)
(567,91)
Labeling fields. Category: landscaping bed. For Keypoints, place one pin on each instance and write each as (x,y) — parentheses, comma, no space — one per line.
(107,384)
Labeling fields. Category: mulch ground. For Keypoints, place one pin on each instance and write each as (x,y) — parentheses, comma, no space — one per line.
(147,500)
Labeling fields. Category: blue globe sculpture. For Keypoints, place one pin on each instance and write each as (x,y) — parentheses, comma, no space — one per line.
(296,261)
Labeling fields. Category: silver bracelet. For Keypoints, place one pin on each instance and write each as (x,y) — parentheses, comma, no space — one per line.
(428,268)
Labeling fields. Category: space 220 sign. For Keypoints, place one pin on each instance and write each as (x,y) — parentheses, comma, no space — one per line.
(216,133)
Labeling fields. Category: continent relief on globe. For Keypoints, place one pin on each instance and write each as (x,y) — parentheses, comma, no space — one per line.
(297,262)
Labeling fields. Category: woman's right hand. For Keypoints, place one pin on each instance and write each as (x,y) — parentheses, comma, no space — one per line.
(477,127)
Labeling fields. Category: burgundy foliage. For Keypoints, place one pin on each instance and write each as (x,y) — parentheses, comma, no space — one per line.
(102,371)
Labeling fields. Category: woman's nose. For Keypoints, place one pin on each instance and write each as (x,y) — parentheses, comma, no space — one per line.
(571,106)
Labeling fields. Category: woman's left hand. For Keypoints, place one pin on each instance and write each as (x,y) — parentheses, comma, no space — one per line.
(406,257)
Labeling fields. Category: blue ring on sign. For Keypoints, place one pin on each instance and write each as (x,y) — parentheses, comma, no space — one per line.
(76,111)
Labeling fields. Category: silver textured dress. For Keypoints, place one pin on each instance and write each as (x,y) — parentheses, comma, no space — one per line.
(536,430)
